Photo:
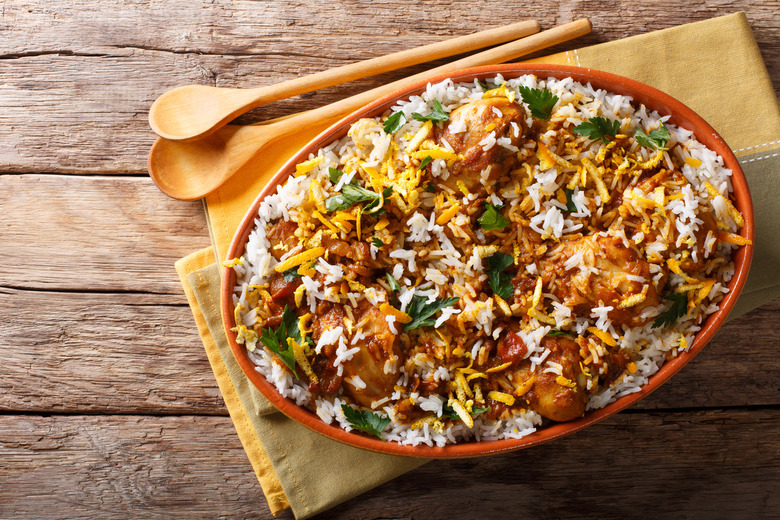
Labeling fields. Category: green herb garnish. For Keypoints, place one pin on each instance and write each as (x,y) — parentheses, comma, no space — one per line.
(570,205)
(291,274)
(482,85)
(422,312)
(598,128)
(430,188)
(373,204)
(677,310)
(334,175)
(437,114)
(377,243)
(500,282)
(556,332)
(394,285)
(655,139)
(352,194)
(425,162)
(365,421)
(450,413)
(394,122)
(540,101)
(491,219)
(277,341)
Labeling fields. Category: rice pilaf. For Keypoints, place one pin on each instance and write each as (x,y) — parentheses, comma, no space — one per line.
(485,258)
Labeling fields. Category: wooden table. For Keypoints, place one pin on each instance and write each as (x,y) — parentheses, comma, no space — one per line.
(108,407)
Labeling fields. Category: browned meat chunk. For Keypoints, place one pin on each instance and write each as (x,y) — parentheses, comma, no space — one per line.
(378,362)
(481,118)
(510,348)
(356,255)
(560,397)
(606,273)
(281,290)
(282,237)
(328,317)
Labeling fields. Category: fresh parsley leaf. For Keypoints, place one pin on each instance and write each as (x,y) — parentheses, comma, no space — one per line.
(394,285)
(276,340)
(365,421)
(598,128)
(677,310)
(448,412)
(394,122)
(556,332)
(350,195)
(377,243)
(437,114)
(655,139)
(422,312)
(500,282)
(540,101)
(371,205)
(425,162)
(334,175)
(491,219)
(291,274)
(570,206)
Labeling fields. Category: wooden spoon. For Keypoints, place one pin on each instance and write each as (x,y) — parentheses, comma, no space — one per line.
(191,170)
(191,112)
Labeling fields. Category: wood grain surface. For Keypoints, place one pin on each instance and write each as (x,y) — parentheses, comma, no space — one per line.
(108,407)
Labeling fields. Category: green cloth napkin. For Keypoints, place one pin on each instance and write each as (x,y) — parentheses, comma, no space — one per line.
(713,66)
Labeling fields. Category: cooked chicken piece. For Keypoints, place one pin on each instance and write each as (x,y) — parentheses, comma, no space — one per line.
(481,119)
(282,291)
(377,363)
(560,397)
(707,226)
(281,237)
(356,256)
(650,183)
(327,317)
(607,273)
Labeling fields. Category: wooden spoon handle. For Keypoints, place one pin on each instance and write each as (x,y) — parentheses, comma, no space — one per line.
(193,111)
(499,54)
(395,61)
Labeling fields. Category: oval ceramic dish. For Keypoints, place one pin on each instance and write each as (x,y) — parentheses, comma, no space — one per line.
(680,115)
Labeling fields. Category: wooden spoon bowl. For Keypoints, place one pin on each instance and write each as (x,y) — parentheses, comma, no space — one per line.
(191,170)
(192,112)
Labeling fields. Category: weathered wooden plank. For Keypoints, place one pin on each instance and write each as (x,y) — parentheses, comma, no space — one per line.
(102,353)
(136,353)
(125,467)
(95,234)
(307,29)
(75,104)
(710,464)
(713,464)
